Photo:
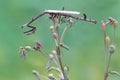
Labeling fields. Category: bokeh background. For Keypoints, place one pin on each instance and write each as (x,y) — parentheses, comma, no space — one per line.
(86,57)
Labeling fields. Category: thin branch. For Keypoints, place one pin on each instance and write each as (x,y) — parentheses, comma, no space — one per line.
(60,60)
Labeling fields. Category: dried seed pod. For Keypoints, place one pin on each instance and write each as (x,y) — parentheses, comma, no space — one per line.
(61,77)
(37,46)
(55,20)
(51,56)
(115,23)
(22,52)
(66,69)
(28,48)
(51,28)
(51,77)
(48,66)
(112,49)
(37,75)
(103,26)
(55,35)
(107,39)
(54,52)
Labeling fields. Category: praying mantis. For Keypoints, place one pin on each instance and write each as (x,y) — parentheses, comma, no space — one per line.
(56,13)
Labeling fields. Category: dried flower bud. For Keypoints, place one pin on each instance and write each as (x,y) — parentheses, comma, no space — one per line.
(48,66)
(70,21)
(37,75)
(37,46)
(54,52)
(107,39)
(103,26)
(112,48)
(51,28)
(111,20)
(55,19)
(66,69)
(51,56)
(22,52)
(28,48)
(55,35)
(61,77)
(51,77)
(115,23)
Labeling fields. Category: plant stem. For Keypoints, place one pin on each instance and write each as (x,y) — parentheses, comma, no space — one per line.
(60,59)
(58,49)
(62,36)
(106,58)
(107,67)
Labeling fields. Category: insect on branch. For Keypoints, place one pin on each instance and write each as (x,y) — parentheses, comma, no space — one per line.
(58,13)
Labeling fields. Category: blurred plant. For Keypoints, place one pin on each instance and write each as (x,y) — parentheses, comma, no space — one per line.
(55,62)
(110,46)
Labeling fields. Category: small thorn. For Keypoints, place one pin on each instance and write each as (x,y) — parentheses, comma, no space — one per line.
(85,16)
(63,8)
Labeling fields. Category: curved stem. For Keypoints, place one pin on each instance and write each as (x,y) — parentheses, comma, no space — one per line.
(62,36)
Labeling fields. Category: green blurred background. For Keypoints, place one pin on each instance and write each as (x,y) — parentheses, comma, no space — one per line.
(86,57)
